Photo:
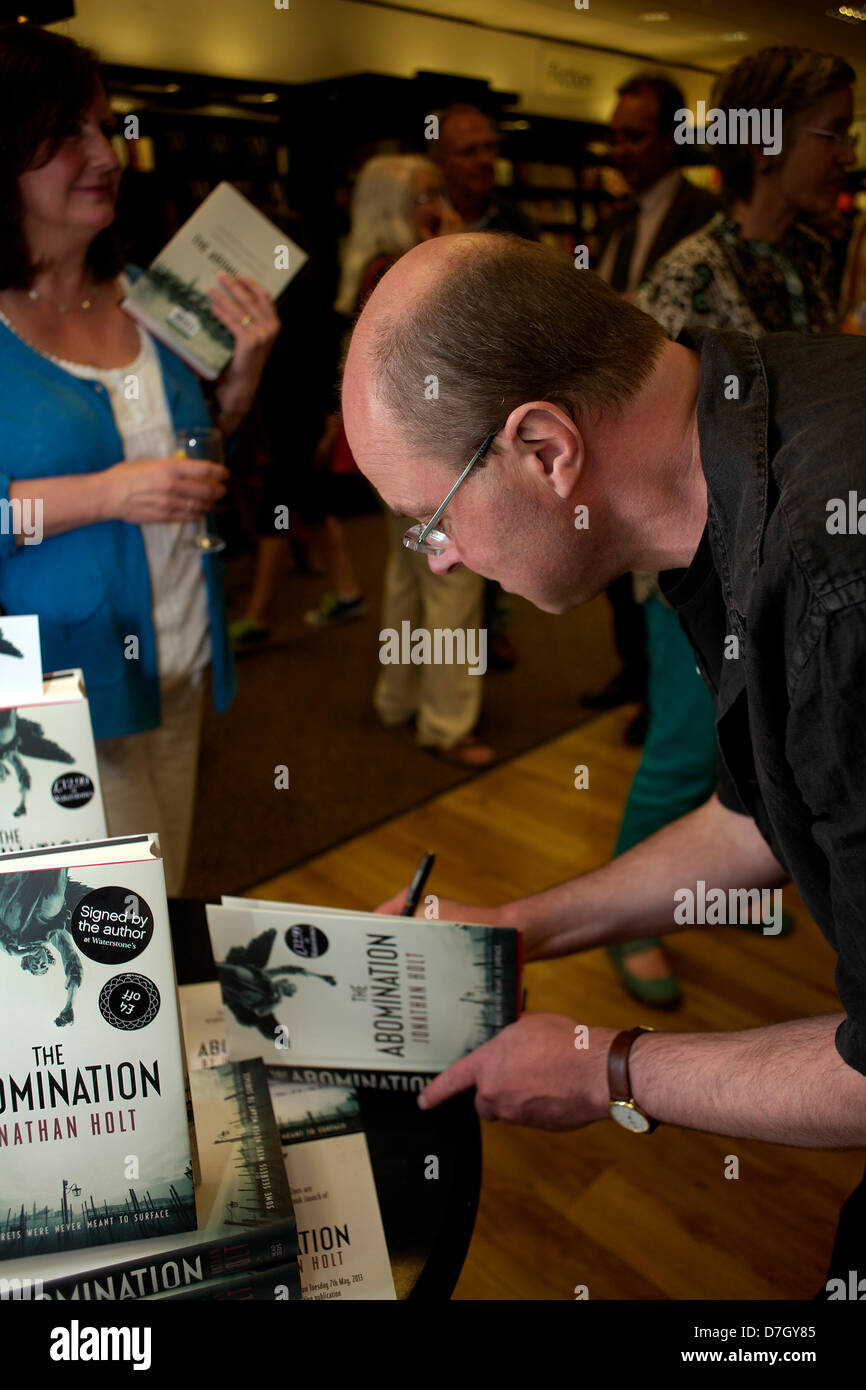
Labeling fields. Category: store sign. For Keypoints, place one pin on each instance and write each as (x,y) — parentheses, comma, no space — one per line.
(561,74)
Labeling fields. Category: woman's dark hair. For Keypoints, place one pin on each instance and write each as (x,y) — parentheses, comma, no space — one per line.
(783,77)
(46,81)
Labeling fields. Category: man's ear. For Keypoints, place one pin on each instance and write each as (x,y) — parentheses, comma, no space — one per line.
(546,433)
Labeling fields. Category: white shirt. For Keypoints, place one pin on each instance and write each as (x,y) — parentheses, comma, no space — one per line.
(146,429)
(653,207)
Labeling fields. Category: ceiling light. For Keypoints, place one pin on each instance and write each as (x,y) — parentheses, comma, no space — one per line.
(654,17)
(736,36)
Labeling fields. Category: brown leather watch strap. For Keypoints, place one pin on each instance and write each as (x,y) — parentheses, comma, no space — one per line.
(617,1063)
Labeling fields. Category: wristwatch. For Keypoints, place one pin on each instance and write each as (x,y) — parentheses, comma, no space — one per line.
(622,1107)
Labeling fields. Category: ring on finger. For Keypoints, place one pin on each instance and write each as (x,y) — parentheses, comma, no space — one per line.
(246,320)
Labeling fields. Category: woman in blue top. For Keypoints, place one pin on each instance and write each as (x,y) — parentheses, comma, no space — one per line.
(89,410)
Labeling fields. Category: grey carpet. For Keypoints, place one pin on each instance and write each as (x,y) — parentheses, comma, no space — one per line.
(304,702)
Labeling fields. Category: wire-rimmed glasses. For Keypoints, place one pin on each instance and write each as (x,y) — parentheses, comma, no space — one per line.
(846,141)
(424,538)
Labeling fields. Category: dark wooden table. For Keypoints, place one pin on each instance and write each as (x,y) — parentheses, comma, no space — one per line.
(428,1221)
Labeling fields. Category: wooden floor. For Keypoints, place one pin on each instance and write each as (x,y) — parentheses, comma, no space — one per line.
(630,1218)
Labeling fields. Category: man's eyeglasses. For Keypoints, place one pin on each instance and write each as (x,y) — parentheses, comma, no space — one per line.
(846,141)
(424,538)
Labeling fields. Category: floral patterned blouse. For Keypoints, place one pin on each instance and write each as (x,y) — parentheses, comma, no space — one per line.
(717,279)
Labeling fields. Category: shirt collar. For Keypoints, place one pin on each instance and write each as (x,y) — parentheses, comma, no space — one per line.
(664,191)
(733,408)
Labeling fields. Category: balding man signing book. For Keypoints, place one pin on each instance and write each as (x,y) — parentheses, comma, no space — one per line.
(727,464)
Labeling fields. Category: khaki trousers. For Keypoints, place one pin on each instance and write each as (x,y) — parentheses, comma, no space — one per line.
(149,779)
(445,699)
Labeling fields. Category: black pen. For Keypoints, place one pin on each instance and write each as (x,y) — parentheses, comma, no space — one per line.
(416,887)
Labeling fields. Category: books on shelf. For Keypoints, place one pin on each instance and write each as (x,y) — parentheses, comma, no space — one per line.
(49,778)
(170,298)
(94,1142)
(346,992)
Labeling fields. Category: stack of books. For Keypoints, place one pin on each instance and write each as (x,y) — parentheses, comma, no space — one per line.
(229,1160)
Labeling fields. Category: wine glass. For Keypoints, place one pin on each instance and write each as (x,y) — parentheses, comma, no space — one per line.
(202,442)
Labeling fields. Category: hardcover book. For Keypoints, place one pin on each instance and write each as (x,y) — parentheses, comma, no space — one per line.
(342,1248)
(226,233)
(94,1141)
(49,778)
(317,988)
(246,1220)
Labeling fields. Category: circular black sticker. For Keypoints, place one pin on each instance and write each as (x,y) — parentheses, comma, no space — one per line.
(306,941)
(73,789)
(112,925)
(129,1001)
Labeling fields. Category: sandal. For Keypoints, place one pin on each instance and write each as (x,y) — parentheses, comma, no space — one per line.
(661,993)
(466,752)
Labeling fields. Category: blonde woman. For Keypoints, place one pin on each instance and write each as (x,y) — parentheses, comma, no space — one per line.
(397,202)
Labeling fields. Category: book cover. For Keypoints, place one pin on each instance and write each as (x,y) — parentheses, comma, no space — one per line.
(353,991)
(204,1029)
(226,233)
(49,777)
(342,1251)
(245,1216)
(276,1284)
(94,1143)
(330,1167)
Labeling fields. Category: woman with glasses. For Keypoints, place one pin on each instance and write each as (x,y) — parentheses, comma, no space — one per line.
(757,268)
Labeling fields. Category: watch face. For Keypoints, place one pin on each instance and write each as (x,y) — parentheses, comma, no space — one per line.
(629,1116)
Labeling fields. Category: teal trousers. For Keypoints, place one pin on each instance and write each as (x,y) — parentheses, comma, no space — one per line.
(677,771)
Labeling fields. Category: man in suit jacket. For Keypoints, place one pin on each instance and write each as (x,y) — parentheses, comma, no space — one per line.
(666,206)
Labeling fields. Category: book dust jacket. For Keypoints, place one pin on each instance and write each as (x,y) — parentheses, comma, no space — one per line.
(49,778)
(349,990)
(94,1142)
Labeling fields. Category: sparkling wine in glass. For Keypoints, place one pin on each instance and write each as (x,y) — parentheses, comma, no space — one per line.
(203,442)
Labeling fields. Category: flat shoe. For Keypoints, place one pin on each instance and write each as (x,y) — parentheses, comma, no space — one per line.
(660,993)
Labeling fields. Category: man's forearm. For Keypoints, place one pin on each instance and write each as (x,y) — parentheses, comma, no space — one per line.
(633,895)
(785,1084)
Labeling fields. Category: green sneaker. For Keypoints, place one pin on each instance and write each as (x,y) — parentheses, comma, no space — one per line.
(333,610)
(244,632)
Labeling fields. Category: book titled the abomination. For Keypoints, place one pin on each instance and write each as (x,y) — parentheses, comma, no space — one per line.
(316,988)
(94,1144)
(226,233)
(246,1222)
(49,778)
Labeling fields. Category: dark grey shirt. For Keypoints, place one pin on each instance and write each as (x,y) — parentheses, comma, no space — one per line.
(782,426)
